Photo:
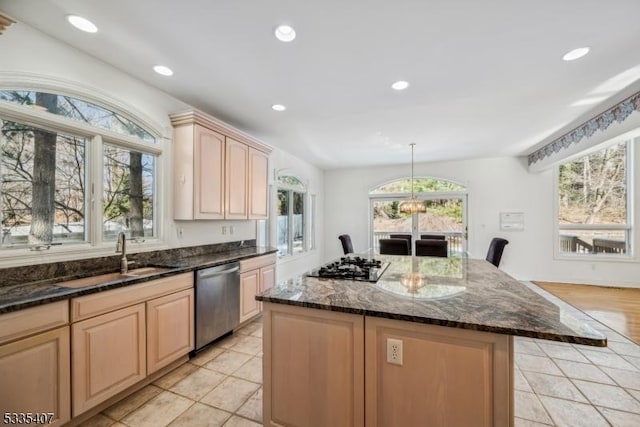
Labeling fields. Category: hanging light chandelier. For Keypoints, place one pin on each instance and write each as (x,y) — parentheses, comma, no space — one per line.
(412,205)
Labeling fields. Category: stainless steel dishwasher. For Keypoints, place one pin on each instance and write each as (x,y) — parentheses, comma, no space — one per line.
(217,302)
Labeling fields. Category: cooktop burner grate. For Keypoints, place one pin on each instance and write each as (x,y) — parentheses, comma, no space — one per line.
(351,268)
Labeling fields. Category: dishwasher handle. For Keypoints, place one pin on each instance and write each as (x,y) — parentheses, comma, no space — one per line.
(203,274)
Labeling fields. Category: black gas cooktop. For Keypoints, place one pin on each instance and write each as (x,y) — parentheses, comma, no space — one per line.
(352,268)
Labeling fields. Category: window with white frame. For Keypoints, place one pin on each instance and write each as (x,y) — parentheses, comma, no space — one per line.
(73,172)
(594,203)
(291,205)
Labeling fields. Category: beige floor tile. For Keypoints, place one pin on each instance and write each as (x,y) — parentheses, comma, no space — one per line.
(610,360)
(228,362)
(519,422)
(200,415)
(625,349)
(520,382)
(249,329)
(528,407)
(258,332)
(564,352)
(626,379)
(550,385)
(543,365)
(634,393)
(236,421)
(174,376)
(619,418)
(572,414)
(128,404)
(118,424)
(230,394)
(252,408)
(98,420)
(229,341)
(527,347)
(249,345)
(583,371)
(206,355)
(635,361)
(251,371)
(159,411)
(198,383)
(608,396)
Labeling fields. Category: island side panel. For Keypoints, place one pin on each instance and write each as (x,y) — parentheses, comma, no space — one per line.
(313,367)
(449,376)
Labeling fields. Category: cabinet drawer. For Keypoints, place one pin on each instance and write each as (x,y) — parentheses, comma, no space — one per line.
(257,262)
(29,321)
(103,302)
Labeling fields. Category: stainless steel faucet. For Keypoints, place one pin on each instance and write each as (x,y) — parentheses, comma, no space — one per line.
(121,247)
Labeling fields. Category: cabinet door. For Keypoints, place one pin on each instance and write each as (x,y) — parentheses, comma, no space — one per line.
(236,180)
(267,278)
(249,287)
(208,174)
(313,368)
(108,355)
(169,329)
(258,184)
(35,376)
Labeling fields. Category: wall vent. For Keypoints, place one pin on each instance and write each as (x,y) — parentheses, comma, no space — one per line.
(5,22)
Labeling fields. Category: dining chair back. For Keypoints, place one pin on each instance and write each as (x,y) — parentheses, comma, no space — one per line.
(394,247)
(496,247)
(432,247)
(432,237)
(402,236)
(347,246)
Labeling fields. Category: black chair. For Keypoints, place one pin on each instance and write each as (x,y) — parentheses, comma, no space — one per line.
(432,237)
(432,247)
(496,247)
(394,247)
(402,236)
(347,246)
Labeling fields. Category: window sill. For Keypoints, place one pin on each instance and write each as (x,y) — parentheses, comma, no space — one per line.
(24,256)
(596,258)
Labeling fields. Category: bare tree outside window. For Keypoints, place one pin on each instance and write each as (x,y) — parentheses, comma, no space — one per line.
(592,194)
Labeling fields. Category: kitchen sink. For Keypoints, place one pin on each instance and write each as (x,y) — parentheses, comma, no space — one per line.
(111,277)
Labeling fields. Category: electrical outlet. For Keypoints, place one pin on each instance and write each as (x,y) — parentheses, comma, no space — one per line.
(180,231)
(394,351)
(232,229)
(224,229)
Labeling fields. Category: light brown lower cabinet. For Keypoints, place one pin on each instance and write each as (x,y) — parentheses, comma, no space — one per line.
(256,275)
(327,368)
(109,355)
(170,332)
(35,377)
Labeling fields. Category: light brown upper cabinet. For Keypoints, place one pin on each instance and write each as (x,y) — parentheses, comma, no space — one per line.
(219,172)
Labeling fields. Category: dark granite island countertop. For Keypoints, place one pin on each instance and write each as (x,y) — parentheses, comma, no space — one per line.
(453,292)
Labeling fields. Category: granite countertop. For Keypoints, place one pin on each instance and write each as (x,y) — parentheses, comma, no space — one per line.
(23,295)
(454,292)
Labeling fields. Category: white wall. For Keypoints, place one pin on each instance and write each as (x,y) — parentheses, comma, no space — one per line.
(34,60)
(494,185)
(313,178)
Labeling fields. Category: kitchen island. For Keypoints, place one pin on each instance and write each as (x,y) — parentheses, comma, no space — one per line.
(429,343)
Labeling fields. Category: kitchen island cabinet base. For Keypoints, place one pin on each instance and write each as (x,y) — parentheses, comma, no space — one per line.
(320,364)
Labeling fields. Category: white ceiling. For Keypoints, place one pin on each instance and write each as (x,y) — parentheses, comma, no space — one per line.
(487,78)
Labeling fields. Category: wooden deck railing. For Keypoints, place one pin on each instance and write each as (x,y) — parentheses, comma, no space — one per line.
(574,244)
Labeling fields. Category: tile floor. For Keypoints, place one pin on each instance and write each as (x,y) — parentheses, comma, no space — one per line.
(556,384)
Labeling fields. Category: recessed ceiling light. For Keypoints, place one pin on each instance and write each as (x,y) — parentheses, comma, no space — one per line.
(400,85)
(162,70)
(278,107)
(82,24)
(575,53)
(285,33)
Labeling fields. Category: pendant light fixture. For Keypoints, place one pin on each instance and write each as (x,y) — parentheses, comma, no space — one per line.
(412,205)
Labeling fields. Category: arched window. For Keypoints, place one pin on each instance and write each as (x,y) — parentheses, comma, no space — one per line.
(73,172)
(445,215)
(291,227)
